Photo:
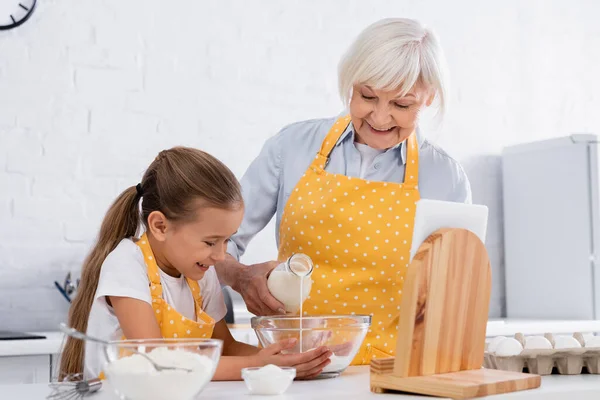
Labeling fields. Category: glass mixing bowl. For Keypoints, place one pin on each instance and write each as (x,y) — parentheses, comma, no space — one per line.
(134,378)
(343,334)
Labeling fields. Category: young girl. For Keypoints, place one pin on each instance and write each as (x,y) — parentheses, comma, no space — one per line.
(162,284)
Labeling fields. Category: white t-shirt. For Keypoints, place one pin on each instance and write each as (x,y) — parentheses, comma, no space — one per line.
(367,155)
(124,274)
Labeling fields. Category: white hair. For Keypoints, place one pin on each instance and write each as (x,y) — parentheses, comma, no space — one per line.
(394,54)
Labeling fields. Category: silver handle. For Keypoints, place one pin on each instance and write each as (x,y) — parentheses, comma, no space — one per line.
(80,335)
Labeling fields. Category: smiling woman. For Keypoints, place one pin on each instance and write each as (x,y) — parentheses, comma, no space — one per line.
(382,118)
(388,76)
(351,208)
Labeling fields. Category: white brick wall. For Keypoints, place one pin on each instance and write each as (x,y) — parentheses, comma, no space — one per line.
(91,91)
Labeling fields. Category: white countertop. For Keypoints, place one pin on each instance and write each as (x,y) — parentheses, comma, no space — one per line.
(51,345)
(353,384)
(507,327)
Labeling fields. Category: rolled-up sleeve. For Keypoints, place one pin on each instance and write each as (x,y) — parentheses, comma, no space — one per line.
(260,187)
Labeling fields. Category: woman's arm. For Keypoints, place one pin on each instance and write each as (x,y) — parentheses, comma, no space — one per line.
(251,282)
(236,355)
(260,186)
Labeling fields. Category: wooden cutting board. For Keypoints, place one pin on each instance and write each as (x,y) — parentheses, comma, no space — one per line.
(456,385)
(443,318)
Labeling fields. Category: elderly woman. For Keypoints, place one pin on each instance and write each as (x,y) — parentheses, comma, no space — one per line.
(344,189)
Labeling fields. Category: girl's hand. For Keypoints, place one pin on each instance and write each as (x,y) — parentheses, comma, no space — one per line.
(308,365)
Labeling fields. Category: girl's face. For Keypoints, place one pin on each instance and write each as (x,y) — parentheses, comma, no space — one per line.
(382,119)
(190,248)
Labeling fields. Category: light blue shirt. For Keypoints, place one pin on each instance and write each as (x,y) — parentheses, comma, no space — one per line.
(284,158)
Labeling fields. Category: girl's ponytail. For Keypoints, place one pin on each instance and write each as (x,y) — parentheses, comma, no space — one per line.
(121,221)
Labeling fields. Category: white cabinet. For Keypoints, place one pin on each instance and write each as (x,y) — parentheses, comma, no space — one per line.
(25,369)
(29,361)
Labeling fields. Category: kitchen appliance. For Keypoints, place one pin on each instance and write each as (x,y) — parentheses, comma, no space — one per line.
(552,228)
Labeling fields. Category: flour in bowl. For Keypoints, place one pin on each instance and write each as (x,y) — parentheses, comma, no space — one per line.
(135,378)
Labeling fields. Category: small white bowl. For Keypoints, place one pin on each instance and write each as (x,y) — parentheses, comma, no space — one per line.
(268,384)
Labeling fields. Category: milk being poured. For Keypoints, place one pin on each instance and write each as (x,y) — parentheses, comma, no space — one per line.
(290,283)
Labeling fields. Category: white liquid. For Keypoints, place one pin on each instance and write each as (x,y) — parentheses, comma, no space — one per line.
(301,303)
(291,289)
(285,287)
(301,270)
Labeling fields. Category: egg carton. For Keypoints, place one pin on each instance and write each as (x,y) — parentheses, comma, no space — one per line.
(569,361)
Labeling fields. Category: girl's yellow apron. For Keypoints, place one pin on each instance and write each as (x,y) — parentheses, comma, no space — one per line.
(359,235)
(173,324)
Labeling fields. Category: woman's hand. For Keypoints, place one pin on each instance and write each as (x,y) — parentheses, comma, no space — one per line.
(308,365)
(251,282)
(252,285)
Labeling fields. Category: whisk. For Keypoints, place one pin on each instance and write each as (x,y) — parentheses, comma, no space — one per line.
(73,387)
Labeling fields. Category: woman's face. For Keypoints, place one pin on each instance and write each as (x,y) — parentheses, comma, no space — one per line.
(382,119)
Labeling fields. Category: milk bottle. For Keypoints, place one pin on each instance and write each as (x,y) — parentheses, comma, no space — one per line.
(290,282)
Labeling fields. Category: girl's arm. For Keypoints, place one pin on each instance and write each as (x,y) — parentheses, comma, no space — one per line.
(136,318)
(232,347)
(238,355)
(137,321)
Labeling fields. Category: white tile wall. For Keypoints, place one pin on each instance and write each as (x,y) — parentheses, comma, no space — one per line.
(91,91)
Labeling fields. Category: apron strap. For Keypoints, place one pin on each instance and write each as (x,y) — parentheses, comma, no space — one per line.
(336,131)
(411,174)
(411,171)
(195,288)
(151,266)
(154,275)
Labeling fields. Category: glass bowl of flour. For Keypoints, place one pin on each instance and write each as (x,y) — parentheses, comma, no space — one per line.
(342,334)
(134,378)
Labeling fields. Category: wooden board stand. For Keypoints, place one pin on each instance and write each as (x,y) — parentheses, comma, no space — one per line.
(443,319)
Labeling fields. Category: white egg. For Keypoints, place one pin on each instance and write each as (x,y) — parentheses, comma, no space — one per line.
(592,341)
(509,347)
(493,345)
(537,342)
(566,342)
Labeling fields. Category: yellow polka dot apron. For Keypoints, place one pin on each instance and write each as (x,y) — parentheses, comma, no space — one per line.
(173,324)
(359,235)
